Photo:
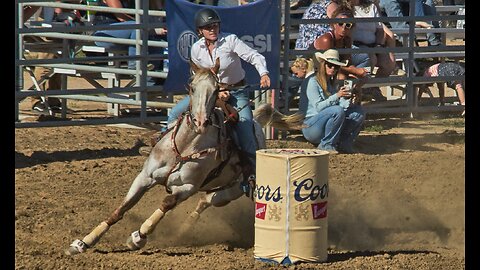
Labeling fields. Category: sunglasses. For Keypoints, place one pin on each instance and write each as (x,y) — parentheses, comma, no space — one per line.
(330,65)
(210,26)
(347,25)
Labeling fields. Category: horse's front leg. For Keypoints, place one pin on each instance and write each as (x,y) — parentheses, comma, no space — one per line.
(140,185)
(138,239)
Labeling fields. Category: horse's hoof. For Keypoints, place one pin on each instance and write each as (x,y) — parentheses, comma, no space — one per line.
(76,247)
(135,242)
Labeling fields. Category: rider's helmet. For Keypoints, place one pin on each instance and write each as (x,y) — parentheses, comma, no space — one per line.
(205,17)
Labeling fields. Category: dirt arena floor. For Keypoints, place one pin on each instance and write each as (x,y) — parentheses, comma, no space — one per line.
(398,204)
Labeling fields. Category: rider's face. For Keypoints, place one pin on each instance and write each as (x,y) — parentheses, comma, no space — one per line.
(210,31)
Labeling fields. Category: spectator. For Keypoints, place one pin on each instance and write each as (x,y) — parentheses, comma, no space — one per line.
(230,50)
(400,8)
(307,33)
(159,34)
(340,37)
(372,34)
(299,3)
(333,122)
(53,81)
(445,69)
(301,69)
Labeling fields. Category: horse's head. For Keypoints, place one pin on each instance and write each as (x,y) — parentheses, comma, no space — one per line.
(203,94)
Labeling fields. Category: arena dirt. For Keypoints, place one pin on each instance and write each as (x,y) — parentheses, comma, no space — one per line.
(398,204)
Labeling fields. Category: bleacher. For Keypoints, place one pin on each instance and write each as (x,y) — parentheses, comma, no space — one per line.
(108,65)
(406,57)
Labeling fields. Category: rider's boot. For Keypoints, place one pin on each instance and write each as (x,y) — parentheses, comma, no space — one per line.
(248,172)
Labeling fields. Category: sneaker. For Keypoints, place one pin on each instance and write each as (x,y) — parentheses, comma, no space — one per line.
(377,94)
(331,151)
(40,106)
(56,108)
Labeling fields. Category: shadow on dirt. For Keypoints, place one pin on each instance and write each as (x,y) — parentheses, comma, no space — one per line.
(381,221)
(394,143)
(354,254)
(42,157)
(373,144)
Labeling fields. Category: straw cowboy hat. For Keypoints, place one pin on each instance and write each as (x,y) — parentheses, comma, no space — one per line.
(331,56)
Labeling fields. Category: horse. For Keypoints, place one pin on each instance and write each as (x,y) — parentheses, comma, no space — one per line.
(192,156)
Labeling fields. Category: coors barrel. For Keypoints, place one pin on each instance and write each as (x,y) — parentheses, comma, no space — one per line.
(291,197)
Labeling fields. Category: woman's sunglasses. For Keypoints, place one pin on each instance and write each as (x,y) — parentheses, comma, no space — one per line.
(330,65)
(347,25)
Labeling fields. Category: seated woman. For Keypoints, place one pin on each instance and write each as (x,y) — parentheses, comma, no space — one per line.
(333,120)
(372,34)
(308,32)
(340,37)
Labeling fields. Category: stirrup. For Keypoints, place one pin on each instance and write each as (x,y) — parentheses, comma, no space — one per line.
(248,186)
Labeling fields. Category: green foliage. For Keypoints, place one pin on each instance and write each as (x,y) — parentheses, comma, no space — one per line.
(374,128)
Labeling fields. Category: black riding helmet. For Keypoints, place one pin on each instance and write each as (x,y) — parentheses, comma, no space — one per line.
(205,17)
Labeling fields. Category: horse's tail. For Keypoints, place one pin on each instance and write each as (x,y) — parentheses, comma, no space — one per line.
(265,114)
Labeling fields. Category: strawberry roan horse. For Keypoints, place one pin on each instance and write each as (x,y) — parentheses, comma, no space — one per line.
(184,158)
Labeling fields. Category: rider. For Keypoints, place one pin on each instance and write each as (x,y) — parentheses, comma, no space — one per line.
(213,44)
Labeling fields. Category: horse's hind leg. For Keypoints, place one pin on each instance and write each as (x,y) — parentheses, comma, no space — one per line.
(140,185)
(138,239)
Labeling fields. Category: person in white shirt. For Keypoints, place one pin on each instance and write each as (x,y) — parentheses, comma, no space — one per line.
(230,50)
(372,34)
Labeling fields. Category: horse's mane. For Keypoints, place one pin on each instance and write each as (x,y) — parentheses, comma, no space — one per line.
(200,74)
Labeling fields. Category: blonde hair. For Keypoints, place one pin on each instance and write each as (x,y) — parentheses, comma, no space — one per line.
(303,63)
(321,75)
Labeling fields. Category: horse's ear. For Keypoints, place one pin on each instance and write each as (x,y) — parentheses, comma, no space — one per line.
(194,68)
(217,66)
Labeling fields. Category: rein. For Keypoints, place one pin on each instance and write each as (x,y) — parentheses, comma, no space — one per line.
(178,156)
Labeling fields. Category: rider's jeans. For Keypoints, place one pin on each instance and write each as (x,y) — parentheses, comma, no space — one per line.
(244,133)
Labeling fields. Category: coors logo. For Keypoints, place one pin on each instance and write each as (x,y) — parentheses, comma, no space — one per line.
(319,210)
(260,210)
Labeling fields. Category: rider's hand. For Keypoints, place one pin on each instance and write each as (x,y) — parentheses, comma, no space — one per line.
(264,81)
(223,95)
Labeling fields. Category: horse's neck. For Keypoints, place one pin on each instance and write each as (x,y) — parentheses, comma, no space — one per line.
(188,141)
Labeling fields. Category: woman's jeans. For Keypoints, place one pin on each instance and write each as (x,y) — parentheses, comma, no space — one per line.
(325,127)
(244,135)
(396,8)
(333,127)
(354,119)
(360,60)
(130,34)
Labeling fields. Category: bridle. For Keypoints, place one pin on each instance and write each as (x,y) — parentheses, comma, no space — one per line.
(210,107)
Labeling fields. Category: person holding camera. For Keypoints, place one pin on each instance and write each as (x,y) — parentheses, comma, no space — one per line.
(332,120)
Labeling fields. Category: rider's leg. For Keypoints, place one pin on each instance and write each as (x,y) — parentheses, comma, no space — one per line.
(178,109)
(246,139)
